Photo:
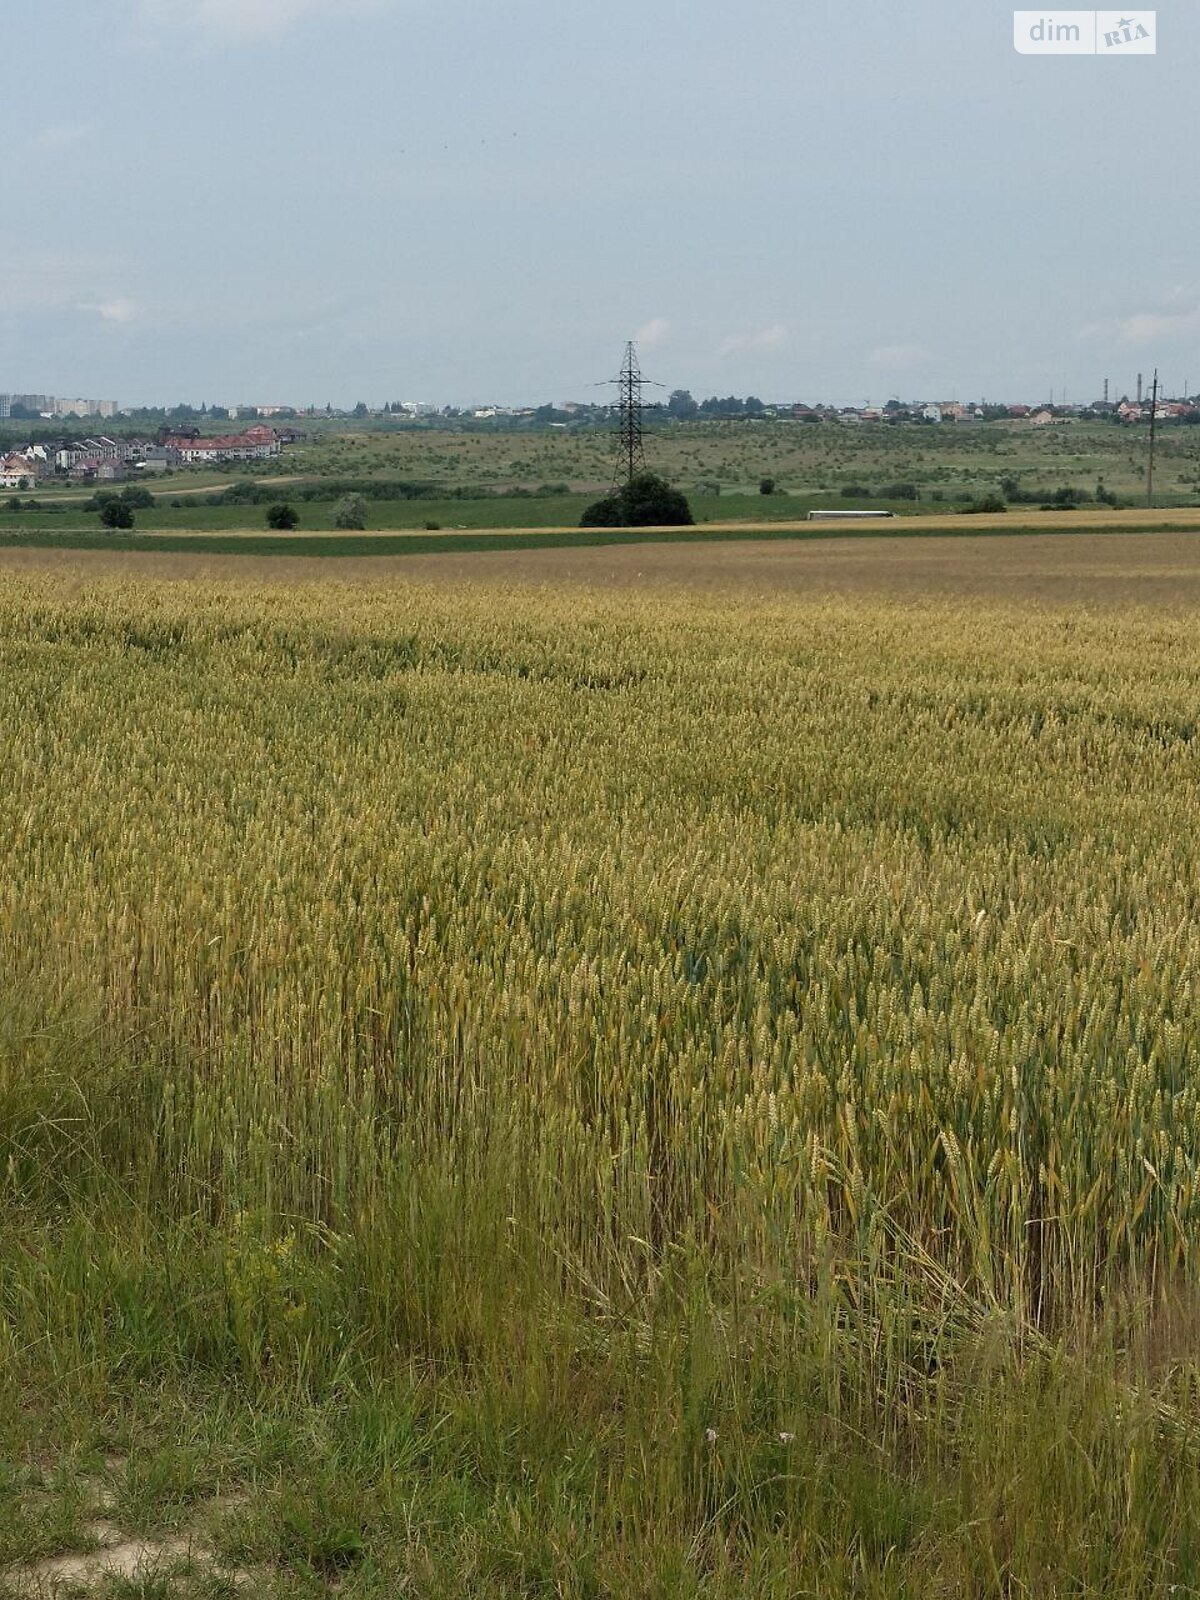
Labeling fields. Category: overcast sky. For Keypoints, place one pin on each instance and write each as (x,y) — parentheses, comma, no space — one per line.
(255,201)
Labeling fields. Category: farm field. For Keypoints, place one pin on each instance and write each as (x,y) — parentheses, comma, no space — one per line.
(233,537)
(1121,568)
(659,1070)
(480,477)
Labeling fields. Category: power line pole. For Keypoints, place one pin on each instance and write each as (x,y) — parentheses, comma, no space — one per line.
(631,456)
(1153,420)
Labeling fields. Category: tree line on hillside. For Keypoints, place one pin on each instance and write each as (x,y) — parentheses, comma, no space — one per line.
(248,493)
(683,408)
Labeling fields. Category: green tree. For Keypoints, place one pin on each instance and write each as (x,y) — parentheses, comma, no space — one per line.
(282,516)
(766,486)
(350,512)
(115,513)
(645,502)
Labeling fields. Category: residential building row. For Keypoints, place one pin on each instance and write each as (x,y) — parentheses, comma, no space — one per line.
(103,460)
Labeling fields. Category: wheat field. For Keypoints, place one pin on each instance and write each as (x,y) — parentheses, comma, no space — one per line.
(566,1091)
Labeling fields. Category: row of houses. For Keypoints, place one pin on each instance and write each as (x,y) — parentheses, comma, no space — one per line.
(255,444)
(1036,416)
(104,460)
(1165,410)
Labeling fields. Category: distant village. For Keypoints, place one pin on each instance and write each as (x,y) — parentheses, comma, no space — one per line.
(104,460)
(98,458)
(186,438)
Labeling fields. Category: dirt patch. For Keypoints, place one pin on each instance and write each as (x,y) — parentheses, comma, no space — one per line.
(114,1557)
(111,1553)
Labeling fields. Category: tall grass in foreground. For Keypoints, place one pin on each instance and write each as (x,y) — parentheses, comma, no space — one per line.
(721,1076)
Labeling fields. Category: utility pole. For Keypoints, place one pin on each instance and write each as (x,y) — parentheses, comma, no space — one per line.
(631,456)
(1153,419)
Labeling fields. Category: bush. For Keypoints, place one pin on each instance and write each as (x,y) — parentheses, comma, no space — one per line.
(988,503)
(116,514)
(604,513)
(134,497)
(431,525)
(1068,496)
(13,503)
(645,502)
(282,516)
(350,512)
(766,486)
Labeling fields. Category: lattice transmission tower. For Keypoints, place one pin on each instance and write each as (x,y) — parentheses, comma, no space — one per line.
(631,454)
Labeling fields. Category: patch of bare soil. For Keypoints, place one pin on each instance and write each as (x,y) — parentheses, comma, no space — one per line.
(107,1552)
(113,1556)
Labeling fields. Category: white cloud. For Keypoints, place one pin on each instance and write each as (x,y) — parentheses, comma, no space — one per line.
(118,310)
(897,357)
(1147,327)
(1176,317)
(62,135)
(248,19)
(42,280)
(652,332)
(770,338)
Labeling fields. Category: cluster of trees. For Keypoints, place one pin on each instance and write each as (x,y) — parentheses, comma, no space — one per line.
(349,513)
(886,491)
(683,408)
(646,501)
(1065,497)
(116,507)
(247,492)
